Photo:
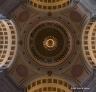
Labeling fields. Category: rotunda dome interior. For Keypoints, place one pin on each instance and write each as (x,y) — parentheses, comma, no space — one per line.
(47,45)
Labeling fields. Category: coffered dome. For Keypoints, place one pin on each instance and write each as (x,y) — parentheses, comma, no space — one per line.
(89,42)
(49,5)
(49,84)
(8,43)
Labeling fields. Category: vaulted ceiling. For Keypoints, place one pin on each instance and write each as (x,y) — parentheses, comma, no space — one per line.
(48,45)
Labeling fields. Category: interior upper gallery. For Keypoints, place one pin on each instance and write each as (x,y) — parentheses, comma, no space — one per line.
(47,45)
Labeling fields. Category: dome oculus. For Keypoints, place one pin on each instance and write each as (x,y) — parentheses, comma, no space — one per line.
(49,44)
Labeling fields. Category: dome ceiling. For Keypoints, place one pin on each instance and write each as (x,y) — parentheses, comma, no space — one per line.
(89,42)
(48,45)
(51,84)
(49,5)
(8,42)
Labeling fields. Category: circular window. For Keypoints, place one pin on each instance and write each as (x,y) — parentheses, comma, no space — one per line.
(49,84)
(49,4)
(49,44)
(89,42)
(8,43)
